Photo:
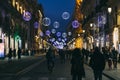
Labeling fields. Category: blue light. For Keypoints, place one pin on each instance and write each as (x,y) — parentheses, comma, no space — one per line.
(58,34)
(27,16)
(75,24)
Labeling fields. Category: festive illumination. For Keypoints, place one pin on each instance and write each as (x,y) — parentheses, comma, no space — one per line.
(59,39)
(27,16)
(36,24)
(48,32)
(53,39)
(65,15)
(58,34)
(41,34)
(79,43)
(75,24)
(64,35)
(17,38)
(56,24)
(53,31)
(69,33)
(46,21)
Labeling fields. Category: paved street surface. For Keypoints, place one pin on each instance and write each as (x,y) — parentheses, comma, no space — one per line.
(39,71)
(114,74)
(34,68)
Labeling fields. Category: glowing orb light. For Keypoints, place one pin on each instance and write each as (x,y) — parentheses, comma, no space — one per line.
(56,24)
(64,35)
(53,39)
(65,15)
(36,24)
(48,32)
(58,34)
(53,31)
(46,21)
(41,34)
(69,33)
(75,24)
(27,16)
(59,39)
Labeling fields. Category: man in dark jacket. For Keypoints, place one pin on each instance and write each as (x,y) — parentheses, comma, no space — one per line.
(97,63)
(77,65)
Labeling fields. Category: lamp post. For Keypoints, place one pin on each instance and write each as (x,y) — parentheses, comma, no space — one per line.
(110,26)
(93,28)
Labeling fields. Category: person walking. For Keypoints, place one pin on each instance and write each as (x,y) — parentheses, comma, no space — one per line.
(19,53)
(10,54)
(14,53)
(77,65)
(110,57)
(50,56)
(115,55)
(97,63)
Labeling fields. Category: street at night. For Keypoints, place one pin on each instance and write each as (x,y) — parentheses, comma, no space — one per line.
(59,39)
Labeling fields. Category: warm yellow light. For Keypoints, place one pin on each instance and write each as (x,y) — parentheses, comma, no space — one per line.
(16,3)
(13,3)
(20,7)
(83,31)
(79,42)
(115,37)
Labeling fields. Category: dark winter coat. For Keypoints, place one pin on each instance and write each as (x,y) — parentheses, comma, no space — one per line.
(77,64)
(97,61)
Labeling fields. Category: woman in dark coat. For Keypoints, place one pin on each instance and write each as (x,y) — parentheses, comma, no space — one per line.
(77,65)
(97,63)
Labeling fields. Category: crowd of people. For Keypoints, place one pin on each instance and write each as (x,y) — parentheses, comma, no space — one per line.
(96,58)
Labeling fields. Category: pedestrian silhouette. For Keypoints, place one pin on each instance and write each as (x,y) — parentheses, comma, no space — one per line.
(14,53)
(19,53)
(115,54)
(50,56)
(97,63)
(77,65)
(10,54)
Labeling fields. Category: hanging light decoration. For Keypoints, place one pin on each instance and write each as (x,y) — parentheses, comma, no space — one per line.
(75,24)
(56,24)
(46,21)
(65,15)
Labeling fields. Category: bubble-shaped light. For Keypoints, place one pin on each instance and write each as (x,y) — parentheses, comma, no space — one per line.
(75,24)
(46,21)
(65,15)
(56,24)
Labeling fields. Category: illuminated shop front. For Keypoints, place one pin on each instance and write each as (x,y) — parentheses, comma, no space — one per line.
(115,38)
(2,46)
(79,42)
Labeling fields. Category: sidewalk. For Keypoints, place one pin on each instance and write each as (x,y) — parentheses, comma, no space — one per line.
(113,74)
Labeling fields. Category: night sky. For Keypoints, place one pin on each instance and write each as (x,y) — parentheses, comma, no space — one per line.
(54,9)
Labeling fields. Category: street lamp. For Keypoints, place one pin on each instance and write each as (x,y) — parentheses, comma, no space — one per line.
(93,29)
(110,26)
(109,10)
